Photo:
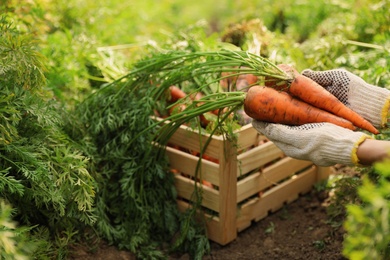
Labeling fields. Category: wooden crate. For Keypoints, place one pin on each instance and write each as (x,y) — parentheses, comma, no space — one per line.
(251,178)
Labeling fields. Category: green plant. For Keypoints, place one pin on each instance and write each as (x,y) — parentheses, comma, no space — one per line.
(270,229)
(44,173)
(67,75)
(13,240)
(357,31)
(373,23)
(368,223)
(345,191)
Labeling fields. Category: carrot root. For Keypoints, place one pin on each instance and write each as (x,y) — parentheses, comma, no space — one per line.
(175,94)
(312,93)
(267,104)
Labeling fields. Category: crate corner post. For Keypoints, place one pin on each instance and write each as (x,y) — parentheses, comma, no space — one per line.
(323,173)
(228,192)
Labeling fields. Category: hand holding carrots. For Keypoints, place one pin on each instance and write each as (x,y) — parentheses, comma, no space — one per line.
(369,101)
(325,143)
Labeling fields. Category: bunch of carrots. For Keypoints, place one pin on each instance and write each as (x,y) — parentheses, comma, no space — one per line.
(301,101)
(297,102)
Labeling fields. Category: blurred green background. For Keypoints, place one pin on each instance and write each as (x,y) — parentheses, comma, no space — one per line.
(78,36)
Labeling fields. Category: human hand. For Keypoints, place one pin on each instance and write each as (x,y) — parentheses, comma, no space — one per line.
(324,144)
(327,144)
(371,102)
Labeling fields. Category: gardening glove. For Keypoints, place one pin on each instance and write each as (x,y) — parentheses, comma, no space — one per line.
(370,101)
(324,144)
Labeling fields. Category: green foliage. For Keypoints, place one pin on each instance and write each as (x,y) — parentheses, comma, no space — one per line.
(46,163)
(44,174)
(356,38)
(21,242)
(299,19)
(345,192)
(13,240)
(68,76)
(368,224)
(21,63)
(373,23)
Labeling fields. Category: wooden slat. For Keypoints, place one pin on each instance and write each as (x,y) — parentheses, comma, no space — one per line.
(280,170)
(257,157)
(190,139)
(186,163)
(228,193)
(185,189)
(247,137)
(248,186)
(269,177)
(287,164)
(213,225)
(275,198)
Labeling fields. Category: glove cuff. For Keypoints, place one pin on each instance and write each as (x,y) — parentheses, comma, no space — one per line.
(370,101)
(385,112)
(354,157)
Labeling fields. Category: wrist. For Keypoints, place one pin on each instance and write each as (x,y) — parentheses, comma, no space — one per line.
(371,151)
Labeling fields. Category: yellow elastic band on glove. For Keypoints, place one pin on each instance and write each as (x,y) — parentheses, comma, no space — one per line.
(385,112)
(354,157)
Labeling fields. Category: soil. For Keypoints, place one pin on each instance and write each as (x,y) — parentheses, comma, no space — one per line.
(300,230)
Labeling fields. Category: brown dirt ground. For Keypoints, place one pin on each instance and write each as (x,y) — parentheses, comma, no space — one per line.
(299,230)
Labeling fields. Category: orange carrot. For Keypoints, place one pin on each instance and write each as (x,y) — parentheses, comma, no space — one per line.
(175,94)
(239,82)
(174,171)
(207,184)
(309,91)
(267,104)
(209,158)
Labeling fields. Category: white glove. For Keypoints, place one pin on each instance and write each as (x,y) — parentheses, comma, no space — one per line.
(370,101)
(324,144)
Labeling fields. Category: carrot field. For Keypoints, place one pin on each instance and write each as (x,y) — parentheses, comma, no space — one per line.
(86,85)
